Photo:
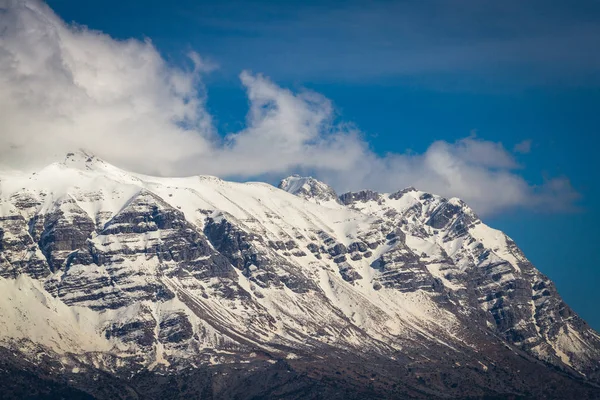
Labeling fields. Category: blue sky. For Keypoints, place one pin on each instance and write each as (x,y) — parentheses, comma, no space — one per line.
(408,74)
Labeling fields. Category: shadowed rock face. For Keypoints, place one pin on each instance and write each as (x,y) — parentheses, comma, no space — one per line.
(362,196)
(200,287)
(65,230)
(18,251)
(175,328)
(256,259)
(121,263)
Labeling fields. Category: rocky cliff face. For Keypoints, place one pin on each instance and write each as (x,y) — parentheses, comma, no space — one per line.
(144,284)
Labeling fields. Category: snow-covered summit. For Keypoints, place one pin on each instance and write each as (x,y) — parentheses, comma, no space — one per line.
(81,160)
(310,189)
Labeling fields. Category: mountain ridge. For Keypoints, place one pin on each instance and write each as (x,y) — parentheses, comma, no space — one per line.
(149,275)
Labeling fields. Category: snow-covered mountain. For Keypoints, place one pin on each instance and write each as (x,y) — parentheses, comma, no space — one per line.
(118,284)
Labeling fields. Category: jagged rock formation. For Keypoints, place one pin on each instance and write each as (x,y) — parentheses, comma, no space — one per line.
(118,284)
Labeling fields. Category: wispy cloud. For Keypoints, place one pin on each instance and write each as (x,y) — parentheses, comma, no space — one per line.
(65,87)
(523,147)
(504,43)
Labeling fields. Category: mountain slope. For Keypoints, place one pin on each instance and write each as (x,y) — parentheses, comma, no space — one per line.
(405,294)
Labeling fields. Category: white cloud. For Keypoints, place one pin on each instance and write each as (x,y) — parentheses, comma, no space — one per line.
(68,87)
(64,87)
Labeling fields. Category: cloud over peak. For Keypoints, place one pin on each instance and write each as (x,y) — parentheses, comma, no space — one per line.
(64,87)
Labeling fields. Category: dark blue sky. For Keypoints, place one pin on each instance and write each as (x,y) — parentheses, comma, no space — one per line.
(410,73)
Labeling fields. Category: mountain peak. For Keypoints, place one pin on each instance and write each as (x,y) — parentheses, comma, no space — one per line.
(309,189)
(81,159)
